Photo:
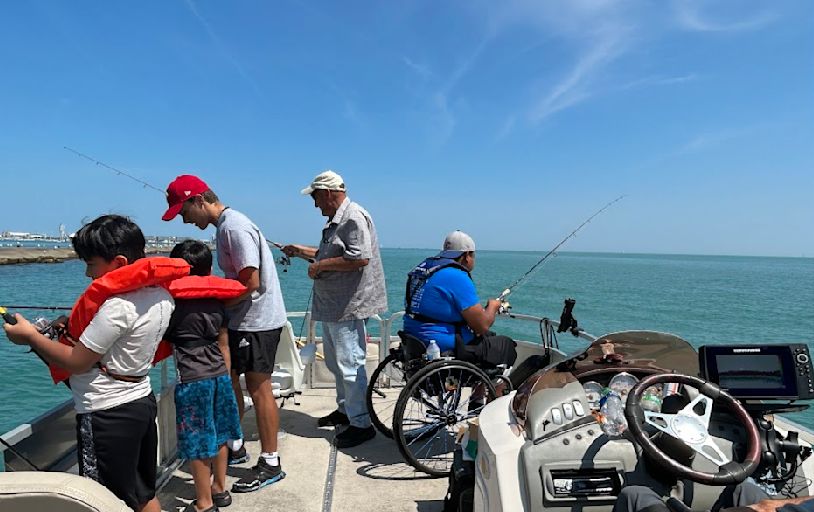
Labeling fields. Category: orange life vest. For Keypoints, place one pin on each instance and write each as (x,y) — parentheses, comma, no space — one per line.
(143,272)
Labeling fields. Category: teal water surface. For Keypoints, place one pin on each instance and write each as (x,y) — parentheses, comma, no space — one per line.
(703,299)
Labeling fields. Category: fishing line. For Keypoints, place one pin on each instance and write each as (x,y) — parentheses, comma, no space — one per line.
(149,185)
(523,278)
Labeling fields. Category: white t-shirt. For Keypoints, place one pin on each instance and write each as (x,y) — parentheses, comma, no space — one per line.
(126,330)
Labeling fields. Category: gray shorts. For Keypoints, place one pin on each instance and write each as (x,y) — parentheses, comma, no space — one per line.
(254,351)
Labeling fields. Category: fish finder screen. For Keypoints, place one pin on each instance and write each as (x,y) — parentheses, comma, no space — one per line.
(764,371)
(759,372)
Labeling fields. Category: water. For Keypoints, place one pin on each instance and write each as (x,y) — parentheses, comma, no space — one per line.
(703,299)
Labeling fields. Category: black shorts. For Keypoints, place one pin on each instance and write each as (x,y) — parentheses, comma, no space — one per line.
(254,351)
(117,448)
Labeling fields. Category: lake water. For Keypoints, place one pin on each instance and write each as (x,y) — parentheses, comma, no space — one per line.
(703,299)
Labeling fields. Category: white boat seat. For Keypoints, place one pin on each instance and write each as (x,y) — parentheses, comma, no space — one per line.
(289,366)
(36,491)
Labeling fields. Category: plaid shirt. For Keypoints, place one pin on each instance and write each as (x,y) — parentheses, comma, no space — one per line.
(359,294)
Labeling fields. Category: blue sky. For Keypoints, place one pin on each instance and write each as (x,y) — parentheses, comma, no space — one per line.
(512,120)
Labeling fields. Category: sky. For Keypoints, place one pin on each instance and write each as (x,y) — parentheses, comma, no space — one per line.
(513,120)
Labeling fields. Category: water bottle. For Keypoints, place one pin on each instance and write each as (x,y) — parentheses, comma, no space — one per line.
(650,402)
(612,409)
(433,352)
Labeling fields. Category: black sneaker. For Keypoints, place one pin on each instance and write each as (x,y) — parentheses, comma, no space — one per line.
(262,474)
(191,508)
(238,456)
(222,499)
(333,419)
(353,436)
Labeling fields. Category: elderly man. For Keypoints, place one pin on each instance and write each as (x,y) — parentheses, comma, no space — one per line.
(256,319)
(348,289)
(443,305)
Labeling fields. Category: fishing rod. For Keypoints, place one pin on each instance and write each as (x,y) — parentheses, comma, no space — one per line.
(41,308)
(120,172)
(522,279)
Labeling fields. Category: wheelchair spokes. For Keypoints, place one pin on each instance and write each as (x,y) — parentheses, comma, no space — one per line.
(437,402)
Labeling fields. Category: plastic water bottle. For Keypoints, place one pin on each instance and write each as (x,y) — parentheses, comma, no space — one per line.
(613,414)
(433,352)
(651,402)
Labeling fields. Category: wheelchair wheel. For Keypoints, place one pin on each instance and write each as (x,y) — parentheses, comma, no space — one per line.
(383,390)
(436,402)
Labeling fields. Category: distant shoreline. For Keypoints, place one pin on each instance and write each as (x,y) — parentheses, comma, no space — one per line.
(25,255)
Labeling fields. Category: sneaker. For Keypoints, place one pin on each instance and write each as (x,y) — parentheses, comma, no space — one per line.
(354,436)
(262,474)
(238,456)
(191,508)
(333,419)
(222,499)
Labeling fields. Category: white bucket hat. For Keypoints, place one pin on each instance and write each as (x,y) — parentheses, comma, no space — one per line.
(327,180)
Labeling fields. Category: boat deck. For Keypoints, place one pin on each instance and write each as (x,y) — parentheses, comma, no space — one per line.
(369,477)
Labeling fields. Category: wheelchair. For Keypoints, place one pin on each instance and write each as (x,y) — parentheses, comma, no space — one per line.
(424,404)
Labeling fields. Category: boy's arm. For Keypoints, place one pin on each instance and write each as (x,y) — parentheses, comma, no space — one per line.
(250,278)
(223,344)
(76,359)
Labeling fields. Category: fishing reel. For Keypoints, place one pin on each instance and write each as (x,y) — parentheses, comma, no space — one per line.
(505,307)
(284,261)
(52,329)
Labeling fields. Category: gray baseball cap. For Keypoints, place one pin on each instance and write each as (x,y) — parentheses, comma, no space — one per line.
(455,244)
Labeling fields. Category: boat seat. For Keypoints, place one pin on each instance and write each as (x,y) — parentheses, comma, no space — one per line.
(30,491)
(290,363)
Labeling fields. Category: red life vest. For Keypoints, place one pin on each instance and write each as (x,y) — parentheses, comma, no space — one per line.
(172,273)
(143,272)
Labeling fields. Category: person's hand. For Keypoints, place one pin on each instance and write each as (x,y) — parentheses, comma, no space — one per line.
(60,322)
(22,332)
(313,270)
(493,304)
(292,250)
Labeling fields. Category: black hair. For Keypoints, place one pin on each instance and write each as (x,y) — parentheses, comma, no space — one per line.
(109,236)
(197,254)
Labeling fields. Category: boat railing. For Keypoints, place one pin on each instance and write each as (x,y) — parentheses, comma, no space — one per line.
(51,451)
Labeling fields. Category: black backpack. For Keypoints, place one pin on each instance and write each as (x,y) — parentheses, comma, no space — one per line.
(461,492)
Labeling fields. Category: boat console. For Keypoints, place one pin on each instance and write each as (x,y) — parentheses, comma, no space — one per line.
(697,421)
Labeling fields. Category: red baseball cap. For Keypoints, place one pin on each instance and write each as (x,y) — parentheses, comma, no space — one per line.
(182,188)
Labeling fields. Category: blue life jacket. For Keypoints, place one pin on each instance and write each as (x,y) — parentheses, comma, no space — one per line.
(417,278)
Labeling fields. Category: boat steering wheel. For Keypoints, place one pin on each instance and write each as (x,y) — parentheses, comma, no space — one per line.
(693,429)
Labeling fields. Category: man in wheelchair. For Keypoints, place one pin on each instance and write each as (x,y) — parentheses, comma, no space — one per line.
(442,304)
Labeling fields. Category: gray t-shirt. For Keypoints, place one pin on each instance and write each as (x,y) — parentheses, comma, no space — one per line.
(240,244)
(340,296)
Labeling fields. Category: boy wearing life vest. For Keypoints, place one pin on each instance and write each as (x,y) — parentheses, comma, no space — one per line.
(116,409)
(206,409)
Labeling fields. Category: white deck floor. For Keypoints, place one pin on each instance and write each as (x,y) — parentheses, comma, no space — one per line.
(370,477)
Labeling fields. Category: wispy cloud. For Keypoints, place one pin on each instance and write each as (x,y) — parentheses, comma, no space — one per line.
(352,113)
(443,119)
(576,86)
(224,50)
(656,81)
(689,16)
(421,70)
(711,139)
